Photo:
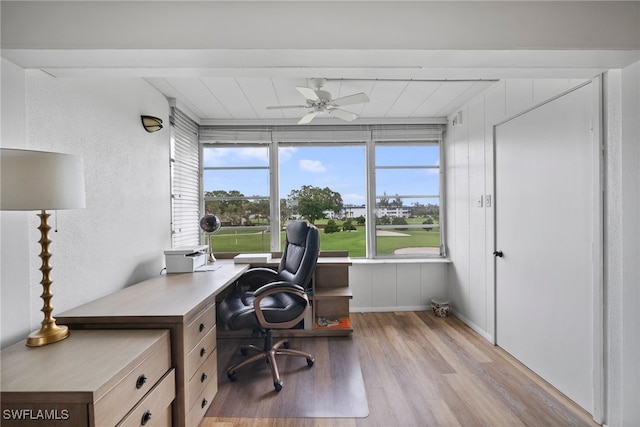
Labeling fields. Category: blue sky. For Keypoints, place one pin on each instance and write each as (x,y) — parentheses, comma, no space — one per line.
(341,168)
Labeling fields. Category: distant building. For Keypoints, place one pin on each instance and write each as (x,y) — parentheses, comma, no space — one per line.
(355,211)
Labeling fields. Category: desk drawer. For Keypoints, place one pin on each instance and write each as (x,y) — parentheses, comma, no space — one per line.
(200,352)
(153,409)
(208,372)
(197,329)
(119,400)
(199,408)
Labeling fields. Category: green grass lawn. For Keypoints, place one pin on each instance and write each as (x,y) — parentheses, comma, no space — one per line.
(352,241)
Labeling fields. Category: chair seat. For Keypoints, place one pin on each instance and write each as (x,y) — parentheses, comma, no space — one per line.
(237,311)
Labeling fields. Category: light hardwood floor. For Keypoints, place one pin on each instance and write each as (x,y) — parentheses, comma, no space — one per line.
(422,370)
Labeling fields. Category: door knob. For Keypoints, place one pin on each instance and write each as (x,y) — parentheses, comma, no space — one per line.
(498,253)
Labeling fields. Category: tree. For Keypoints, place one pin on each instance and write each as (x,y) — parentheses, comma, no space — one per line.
(348,226)
(312,202)
(229,211)
(331,227)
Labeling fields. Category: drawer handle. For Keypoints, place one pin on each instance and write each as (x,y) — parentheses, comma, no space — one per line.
(205,402)
(140,381)
(146,417)
(203,377)
(201,327)
(202,352)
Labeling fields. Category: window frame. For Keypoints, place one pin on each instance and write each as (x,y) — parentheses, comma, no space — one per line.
(375,136)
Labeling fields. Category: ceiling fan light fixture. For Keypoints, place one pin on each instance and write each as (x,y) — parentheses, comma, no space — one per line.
(320,101)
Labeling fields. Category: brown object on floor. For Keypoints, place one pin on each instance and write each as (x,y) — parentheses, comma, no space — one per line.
(423,370)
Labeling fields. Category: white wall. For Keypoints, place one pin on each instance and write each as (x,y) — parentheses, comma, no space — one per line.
(387,285)
(120,237)
(469,181)
(469,169)
(622,239)
(14,226)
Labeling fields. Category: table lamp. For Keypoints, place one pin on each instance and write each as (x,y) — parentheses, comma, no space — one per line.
(38,180)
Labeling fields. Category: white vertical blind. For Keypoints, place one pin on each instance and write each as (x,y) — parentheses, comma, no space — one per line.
(185,180)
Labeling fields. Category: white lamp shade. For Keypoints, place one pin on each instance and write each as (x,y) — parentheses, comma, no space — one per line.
(39,180)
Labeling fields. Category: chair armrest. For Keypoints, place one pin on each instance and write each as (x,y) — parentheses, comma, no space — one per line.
(276,288)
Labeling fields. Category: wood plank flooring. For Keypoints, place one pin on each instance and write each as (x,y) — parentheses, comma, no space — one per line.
(422,370)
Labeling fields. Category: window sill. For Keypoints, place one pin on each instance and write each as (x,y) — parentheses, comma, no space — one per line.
(433,260)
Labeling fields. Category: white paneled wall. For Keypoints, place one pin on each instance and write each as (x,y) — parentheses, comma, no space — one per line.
(469,183)
(397,285)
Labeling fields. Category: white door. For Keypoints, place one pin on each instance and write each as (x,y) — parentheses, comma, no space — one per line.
(544,212)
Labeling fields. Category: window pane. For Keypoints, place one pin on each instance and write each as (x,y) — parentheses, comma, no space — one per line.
(248,182)
(403,155)
(341,169)
(408,182)
(407,219)
(230,189)
(235,156)
(410,229)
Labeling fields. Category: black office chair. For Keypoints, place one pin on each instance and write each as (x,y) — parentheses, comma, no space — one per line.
(264,299)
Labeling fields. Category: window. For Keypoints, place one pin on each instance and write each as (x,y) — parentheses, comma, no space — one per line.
(374,191)
(407,184)
(236,189)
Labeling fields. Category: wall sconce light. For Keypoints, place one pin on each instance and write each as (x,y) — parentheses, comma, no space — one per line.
(151,124)
(40,180)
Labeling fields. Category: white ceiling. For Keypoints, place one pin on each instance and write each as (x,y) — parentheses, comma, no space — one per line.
(247,98)
(227,61)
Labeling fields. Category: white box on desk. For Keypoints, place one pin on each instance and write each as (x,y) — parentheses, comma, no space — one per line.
(252,258)
(185,259)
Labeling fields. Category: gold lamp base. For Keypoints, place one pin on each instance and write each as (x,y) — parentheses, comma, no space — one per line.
(49,332)
(47,335)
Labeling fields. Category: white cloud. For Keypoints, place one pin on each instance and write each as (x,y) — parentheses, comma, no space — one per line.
(314,166)
(259,153)
(285,153)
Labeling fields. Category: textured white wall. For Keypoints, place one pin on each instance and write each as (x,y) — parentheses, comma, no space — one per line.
(14,226)
(120,237)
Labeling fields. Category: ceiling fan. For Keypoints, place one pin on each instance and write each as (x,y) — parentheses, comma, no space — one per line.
(319,101)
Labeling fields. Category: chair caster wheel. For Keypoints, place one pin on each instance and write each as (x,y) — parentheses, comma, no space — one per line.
(232,376)
(286,344)
(244,351)
(310,362)
(278,385)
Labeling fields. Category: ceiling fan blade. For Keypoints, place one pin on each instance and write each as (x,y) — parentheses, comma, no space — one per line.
(279,107)
(343,114)
(308,93)
(308,117)
(358,98)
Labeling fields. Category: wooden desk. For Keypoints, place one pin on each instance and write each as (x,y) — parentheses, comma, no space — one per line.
(92,378)
(185,305)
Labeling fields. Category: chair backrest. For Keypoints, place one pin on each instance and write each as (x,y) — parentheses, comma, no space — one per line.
(300,253)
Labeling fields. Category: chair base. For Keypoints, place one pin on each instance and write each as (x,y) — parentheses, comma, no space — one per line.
(269,353)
